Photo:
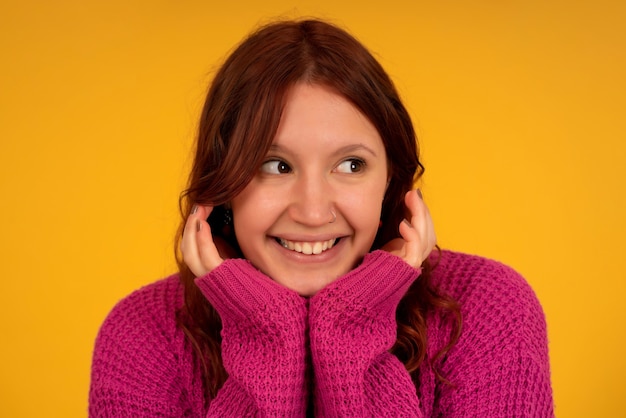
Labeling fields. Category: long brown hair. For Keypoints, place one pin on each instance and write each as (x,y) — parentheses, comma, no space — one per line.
(238,123)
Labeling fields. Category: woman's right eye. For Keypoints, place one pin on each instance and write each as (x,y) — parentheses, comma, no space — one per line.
(275,167)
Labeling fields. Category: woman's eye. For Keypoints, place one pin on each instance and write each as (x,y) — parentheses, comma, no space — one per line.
(353,165)
(275,167)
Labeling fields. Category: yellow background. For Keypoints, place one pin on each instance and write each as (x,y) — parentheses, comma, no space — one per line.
(519,106)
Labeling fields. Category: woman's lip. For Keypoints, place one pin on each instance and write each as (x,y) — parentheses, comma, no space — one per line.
(307,238)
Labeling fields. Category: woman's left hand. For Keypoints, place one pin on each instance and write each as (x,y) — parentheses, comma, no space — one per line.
(418,233)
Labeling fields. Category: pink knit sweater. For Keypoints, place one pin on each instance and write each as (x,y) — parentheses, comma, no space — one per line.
(286,355)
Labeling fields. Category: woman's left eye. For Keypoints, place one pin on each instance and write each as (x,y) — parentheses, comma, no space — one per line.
(275,167)
(353,165)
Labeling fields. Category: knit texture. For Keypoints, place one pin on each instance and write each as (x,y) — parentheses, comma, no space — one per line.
(284,353)
(263,342)
(353,326)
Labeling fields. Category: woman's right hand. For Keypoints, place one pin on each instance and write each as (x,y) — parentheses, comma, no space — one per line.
(200,251)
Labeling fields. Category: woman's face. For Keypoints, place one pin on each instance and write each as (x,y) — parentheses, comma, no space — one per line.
(312,211)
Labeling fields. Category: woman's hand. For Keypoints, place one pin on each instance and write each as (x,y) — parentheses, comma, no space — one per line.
(200,251)
(418,233)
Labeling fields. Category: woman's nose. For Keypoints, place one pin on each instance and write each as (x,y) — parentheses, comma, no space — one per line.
(312,202)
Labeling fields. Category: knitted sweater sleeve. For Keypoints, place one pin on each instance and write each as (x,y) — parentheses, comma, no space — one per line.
(142,366)
(352,327)
(264,346)
(499,367)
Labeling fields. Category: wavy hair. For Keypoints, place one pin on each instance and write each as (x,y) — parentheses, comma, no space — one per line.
(238,123)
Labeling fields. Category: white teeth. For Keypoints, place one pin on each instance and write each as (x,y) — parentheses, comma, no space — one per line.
(308,248)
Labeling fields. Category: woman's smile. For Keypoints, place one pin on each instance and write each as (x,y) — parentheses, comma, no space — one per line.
(308,247)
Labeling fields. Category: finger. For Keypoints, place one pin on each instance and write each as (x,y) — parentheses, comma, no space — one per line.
(427,229)
(197,247)
(422,241)
(207,250)
(432,236)
(411,246)
(427,234)
(188,245)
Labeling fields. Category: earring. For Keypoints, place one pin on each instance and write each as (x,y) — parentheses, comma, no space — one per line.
(228,217)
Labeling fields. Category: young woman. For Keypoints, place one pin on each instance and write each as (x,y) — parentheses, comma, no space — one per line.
(308,284)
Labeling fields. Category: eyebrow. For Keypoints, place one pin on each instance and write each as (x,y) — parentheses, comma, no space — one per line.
(343,150)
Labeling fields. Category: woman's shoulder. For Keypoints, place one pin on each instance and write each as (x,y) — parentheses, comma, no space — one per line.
(144,321)
(152,307)
(497,304)
(500,360)
(472,279)
(141,356)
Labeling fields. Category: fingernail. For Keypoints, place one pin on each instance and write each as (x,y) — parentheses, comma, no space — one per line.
(419,193)
(198,225)
(194,209)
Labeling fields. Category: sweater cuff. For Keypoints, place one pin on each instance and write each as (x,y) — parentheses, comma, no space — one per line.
(381,276)
(237,289)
